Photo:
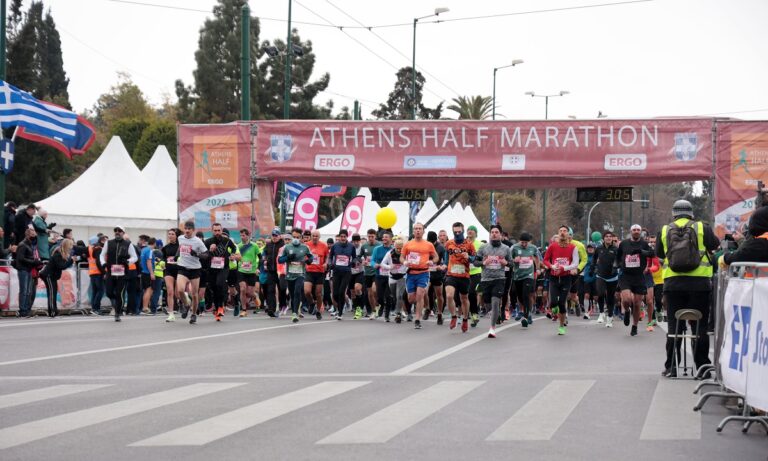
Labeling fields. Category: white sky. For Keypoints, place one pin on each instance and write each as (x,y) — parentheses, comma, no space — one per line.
(657,58)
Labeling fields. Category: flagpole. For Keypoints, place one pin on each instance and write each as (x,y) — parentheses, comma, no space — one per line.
(2,77)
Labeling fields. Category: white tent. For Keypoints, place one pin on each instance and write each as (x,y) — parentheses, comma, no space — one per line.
(469,219)
(112,191)
(162,173)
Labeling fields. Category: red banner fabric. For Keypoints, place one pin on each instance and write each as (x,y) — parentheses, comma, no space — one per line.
(485,154)
(353,215)
(214,180)
(742,160)
(306,209)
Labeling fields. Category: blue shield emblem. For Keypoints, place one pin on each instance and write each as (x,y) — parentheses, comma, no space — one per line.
(280,148)
(686,146)
(6,155)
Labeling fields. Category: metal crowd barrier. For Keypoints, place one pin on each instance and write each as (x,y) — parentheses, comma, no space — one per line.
(742,271)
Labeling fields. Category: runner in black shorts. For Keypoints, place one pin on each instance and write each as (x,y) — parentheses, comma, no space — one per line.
(632,258)
(436,278)
(169,252)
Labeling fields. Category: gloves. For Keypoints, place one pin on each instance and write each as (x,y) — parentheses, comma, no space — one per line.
(51,225)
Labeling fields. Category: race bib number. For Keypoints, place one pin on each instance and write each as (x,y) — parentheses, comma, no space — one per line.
(396,268)
(494,262)
(458,269)
(171,259)
(432,267)
(562,261)
(342,260)
(247,265)
(632,261)
(315,259)
(185,250)
(414,258)
(357,268)
(295,268)
(217,262)
(526,262)
(117,270)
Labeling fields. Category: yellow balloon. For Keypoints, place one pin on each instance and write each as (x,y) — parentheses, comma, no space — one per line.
(386,218)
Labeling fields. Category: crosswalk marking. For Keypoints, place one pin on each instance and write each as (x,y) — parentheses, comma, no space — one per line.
(227,424)
(385,424)
(43,428)
(670,416)
(543,415)
(45,393)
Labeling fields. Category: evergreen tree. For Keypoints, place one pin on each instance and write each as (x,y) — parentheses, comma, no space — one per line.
(400,104)
(159,132)
(35,64)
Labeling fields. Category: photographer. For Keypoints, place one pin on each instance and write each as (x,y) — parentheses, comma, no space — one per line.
(755,247)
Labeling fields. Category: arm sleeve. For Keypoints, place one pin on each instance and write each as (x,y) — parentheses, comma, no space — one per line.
(132,257)
(478,259)
(660,245)
(747,252)
(582,257)
(386,262)
(575,263)
(103,256)
(710,239)
(547,257)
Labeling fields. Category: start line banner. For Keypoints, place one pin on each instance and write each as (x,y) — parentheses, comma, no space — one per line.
(485,154)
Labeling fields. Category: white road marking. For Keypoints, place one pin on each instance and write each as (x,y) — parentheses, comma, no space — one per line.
(158,343)
(46,393)
(55,425)
(443,354)
(227,424)
(385,424)
(671,415)
(542,416)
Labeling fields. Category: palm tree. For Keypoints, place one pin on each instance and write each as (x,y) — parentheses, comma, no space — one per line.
(472,107)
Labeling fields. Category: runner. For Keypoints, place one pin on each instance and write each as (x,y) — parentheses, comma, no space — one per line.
(296,256)
(393,264)
(357,280)
(632,258)
(191,249)
(115,258)
(526,262)
(342,258)
(562,259)
(653,267)
(587,287)
(436,277)
(417,254)
(248,273)
(271,283)
(460,254)
(658,287)
(369,274)
(382,275)
(221,249)
(493,257)
(607,278)
(474,278)
(573,296)
(313,283)
(169,252)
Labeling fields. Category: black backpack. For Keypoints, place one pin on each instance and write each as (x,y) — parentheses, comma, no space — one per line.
(683,247)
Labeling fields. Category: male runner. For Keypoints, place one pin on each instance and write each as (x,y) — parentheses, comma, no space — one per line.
(493,257)
(313,283)
(169,252)
(382,275)
(632,258)
(342,258)
(191,249)
(562,259)
(525,258)
(604,267)
(369,273)
(417,254)
(248,272)
(436,277)
(461,253)
(295,256)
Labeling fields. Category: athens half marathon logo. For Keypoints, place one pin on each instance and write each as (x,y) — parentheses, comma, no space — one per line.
(280,148)
(686,146)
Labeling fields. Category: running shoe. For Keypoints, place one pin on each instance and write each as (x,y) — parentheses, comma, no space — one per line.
(187,299)
(171,318)
(530,319)
(398,318)
(475,320)
(193,319)
(561,331)
(633,332)
(358,313)
(649,327)
(184,311)
(586,315)
(425,313)
(626,319)
(454,319)
(295,318)
(337,317)
(609,322)
(518,316)
(524,322)
(386,318)
(601,318)
(549,313)
(439,319)
(417,325)
(244,314)
(410,318)
(492,333)
(464,325)
(318,315)
(652,323)
(642,314)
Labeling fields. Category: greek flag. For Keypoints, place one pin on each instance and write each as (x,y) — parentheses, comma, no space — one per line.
(293,189)
(414,211)
(494,214)
(44,122)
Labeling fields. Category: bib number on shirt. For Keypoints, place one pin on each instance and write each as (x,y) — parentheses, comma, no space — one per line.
(295,268)
(217,262)
(171,259)
(357,268)
(185,250)
(414,258)
(247,265)
(315,260)
(458,269)
(117,270)
(562,261)
(632,261)
(494,263)
(526,262)
(342,260)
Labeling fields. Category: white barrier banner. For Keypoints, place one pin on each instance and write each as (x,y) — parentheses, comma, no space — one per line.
(734,355)
(757,367)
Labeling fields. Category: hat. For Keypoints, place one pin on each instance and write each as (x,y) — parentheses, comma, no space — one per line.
(93,240)
(276,231)
(119,228)
(682,208)
(225,232)
(472,228)
(636,226)
(591,245)
(31,206)
(758,223)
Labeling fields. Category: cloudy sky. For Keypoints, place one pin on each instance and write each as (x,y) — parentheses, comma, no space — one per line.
(632,59)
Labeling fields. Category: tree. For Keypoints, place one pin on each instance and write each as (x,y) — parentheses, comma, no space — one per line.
(130,131)
(160,132)
(125,100)
(472,107)
(35,64)
(399,105)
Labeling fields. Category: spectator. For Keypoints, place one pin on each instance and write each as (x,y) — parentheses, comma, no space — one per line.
(28,263)
(23,220)
(755,248)
(42,227)
(51,273)
(5,252)
(9,225)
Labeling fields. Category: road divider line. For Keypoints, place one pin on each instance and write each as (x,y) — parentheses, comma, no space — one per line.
(670,416)
(46,393)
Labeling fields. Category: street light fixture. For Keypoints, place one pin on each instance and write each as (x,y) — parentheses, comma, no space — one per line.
(493,117)
(544,193)
(438,12)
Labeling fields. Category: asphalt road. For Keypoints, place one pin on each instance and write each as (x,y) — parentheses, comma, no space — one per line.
(259,388)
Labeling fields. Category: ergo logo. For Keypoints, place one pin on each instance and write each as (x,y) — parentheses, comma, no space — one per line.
(625,162)
(327,162)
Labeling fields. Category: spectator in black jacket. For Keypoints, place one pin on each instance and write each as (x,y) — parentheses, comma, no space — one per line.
(755,248)
(28,264)
(51,273)
(23,219)
(9,224)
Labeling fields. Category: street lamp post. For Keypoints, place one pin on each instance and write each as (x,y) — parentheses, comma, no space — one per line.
(493,117)
(413,66)
(544,192)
